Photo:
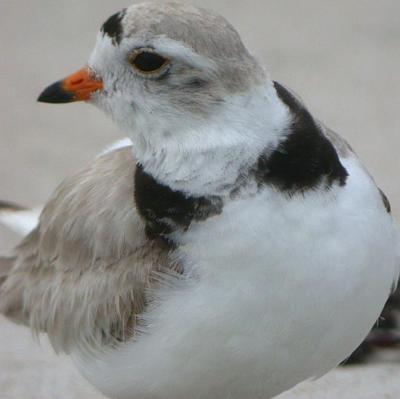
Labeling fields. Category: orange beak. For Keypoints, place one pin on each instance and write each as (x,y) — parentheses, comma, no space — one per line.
(77,87)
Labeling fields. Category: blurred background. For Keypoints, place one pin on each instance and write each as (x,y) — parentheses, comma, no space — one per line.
(341,57)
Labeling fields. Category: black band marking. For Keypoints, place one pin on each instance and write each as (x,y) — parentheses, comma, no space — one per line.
(304,159)
(113,27)
(165,210)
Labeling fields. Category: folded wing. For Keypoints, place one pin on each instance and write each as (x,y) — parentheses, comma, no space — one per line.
(85,273)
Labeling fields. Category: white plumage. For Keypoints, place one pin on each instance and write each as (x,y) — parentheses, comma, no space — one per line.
(264,307)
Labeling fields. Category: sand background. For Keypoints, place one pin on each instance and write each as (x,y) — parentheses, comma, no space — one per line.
(342,57)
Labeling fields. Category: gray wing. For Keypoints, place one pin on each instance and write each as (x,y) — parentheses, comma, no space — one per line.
(83,274)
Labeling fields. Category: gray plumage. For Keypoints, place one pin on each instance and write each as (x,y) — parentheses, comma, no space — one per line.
(85,273)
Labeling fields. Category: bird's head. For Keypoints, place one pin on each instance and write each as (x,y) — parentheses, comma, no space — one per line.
(162,69)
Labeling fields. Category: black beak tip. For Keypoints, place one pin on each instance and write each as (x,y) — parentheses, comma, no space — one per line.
(55,94)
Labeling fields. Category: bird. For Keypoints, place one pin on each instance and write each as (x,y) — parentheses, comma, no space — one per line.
(232,247)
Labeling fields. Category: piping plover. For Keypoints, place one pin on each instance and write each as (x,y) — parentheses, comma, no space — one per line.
(232,249)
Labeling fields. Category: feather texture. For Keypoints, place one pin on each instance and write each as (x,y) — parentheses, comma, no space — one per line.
(84,274)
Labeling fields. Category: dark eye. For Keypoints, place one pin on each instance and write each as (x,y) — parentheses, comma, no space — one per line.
(148,61)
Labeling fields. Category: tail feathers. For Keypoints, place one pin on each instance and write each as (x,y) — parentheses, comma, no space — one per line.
(19,219)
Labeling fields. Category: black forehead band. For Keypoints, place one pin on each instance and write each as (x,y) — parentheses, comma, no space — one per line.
(113,27)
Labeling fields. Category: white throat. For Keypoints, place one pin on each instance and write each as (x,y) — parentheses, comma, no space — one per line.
(207,158)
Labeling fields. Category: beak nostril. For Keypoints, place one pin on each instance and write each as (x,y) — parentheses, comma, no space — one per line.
(77,82)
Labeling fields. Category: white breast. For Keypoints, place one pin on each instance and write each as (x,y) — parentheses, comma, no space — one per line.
(280,290)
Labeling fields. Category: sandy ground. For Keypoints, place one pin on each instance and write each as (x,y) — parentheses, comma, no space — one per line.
(342,58)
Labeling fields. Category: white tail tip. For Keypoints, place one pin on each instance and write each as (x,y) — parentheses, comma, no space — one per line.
(18,219)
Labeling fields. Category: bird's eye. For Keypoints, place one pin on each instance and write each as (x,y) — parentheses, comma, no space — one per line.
(148,62)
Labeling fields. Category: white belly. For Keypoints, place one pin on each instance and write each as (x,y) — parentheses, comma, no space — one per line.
(279,291)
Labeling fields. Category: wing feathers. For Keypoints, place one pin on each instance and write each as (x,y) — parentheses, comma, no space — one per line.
(6,265)
(85,273)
